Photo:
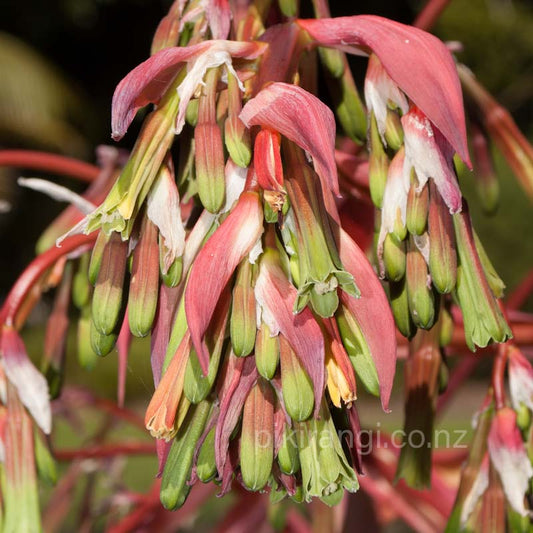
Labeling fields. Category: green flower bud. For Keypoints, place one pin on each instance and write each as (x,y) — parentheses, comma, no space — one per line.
(107,298)
(243,326)
(417,209)
(205,465)
(399,302)
(46,465)
(81,288)
(393,130)
(394,257)
(144,282)
(324,466)
(177,471)
(442,255)
(419,295)
(86,355)
(209,151)
(357,350)
(288,457)
(378,165)
(296,385)
(96,257)
(102,344)
(483,320)
(257,436)
(266,352)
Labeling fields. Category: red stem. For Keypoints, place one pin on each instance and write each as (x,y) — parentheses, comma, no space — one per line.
(105,450)
(519,296)
(78,395)
(498,376)
(34,271)
(385,495)
(427,18)
(53,163)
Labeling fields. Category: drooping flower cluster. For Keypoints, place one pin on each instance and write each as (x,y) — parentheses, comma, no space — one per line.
(263,311)
(496,482)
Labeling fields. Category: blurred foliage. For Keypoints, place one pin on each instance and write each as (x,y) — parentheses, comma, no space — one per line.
(37,103)
(498,47)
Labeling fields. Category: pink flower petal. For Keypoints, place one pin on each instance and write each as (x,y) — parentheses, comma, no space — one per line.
(509,457)
(373,314)
(394,202)
(302,118)
(418,62)
(240,377)
(31,385)
(276,296)
(379,90)
(520,379)
(164,320)
(147,82)
(218,15)
(215,264)
(431,155)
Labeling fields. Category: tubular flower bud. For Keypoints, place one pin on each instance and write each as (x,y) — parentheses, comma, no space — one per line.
(393,130)
(266,351)
(442,249)
(320,268)
(205,465)
(107,302)
(378,164)
(174,487)
(144,282)
(296,385)
(394,212)
(394,257)
(325,469)
(160,418)
(20,497)
(243,314)
(56,335)
(482,317)
(400,308)
(288,458)
(209,154)
(257,436)
(417,209)
(421,383)
(419,293)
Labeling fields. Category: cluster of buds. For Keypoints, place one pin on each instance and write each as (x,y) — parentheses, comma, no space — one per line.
(263,311)
(426,247)
(496,487)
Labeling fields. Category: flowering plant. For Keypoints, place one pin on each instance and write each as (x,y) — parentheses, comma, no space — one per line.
(238,235)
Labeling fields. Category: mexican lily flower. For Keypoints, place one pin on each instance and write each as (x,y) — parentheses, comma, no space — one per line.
(508,455)
(29,383)
(215,264)
(255,245)
(148,82)
(421,66)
